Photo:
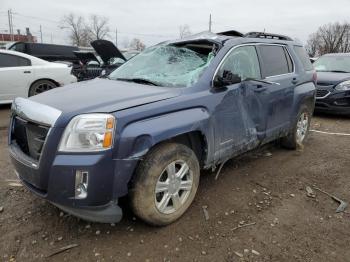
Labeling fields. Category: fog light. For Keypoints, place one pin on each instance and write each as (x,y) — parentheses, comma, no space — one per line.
(81,184)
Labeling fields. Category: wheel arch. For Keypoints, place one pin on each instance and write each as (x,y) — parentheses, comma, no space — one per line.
(41,79)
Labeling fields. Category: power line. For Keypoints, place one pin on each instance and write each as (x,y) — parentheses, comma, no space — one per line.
(150,35)
(37,18)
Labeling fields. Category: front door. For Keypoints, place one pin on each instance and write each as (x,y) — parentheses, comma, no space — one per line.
(239,116)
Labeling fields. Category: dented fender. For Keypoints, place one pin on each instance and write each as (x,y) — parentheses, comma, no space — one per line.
(138,137)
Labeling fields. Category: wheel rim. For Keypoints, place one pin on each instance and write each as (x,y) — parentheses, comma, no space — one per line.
(42,88)
(302,127)
(173,187)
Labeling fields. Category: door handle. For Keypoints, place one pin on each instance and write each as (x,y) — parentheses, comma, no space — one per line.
(295,80)
(27,72)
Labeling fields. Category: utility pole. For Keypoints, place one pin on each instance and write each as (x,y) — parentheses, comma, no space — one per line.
(51,39)
(210,23)
(116,37)
(41,34)
(9,14)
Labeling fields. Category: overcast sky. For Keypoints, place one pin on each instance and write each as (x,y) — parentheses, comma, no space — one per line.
(157,20)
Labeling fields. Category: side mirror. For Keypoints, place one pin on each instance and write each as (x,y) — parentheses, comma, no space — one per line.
(227,78)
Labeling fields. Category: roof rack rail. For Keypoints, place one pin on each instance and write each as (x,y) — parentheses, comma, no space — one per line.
(231,33)
(267,36)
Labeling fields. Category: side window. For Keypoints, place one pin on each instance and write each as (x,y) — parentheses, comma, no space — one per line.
(242,61)
(304,58)
(7,60)
(20,47)
(275,60)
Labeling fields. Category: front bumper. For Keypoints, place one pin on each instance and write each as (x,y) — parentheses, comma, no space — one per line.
(337,102)
(54,176)
(110,213)
(105,184)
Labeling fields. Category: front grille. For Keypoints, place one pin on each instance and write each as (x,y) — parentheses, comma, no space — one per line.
(29,136)
(321,93)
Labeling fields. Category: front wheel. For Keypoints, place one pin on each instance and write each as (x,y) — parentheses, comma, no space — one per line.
(165,184)
(300,129)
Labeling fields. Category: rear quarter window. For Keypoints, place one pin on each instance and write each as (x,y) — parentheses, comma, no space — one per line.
(275,60)
(7,60)
(303,57)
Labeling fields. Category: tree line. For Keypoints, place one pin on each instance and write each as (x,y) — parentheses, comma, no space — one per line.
(82,31)
(329,38)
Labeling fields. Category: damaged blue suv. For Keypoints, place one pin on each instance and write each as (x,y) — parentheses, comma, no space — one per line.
(148,128)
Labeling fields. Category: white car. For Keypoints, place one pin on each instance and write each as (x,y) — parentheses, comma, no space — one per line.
(24,75)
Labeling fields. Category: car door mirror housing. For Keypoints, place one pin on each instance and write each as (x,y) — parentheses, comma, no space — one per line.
(227,78)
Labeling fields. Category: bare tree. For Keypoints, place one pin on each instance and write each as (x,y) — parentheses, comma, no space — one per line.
(78,31)
(330,38)
(137,44)
(184,31)
(98,27)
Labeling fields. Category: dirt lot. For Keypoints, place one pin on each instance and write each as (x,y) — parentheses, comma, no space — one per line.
(266,187)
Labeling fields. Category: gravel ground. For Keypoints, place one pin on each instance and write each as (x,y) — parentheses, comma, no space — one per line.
(258,211)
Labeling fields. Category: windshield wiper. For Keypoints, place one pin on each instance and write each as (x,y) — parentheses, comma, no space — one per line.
(138,80)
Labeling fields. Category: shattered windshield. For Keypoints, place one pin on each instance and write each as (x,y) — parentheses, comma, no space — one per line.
(164,65)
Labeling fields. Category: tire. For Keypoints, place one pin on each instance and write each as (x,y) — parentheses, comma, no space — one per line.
(300,130)
(154,172)
(41,86)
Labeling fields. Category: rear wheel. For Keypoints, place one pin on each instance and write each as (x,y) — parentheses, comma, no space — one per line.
(300,129)
(41,86)
(165,184)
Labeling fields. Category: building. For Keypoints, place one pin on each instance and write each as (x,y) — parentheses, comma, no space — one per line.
(8,38)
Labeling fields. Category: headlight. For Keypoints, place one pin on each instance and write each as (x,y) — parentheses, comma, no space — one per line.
(343,86)
(88,133)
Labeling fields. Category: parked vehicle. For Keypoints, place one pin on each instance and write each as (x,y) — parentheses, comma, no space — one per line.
(23,75)
(108,58)
(150,127)
(48,52)
(333,83)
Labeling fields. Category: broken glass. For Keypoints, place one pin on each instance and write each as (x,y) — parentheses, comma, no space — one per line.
(165,65)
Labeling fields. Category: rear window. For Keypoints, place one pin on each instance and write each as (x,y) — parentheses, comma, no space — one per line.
(303,57)
(275,60)
(7,60)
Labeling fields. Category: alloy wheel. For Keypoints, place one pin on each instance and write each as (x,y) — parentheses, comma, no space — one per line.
(173,187)
(302,127)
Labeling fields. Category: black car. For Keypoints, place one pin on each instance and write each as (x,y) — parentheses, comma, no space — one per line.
(48,52)
(333,83)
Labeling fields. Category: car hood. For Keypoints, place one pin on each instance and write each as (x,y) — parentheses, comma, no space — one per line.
(102,96)
(330,78)
(106,50)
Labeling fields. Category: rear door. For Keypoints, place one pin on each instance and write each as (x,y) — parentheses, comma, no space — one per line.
(15,75)
(277,67)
